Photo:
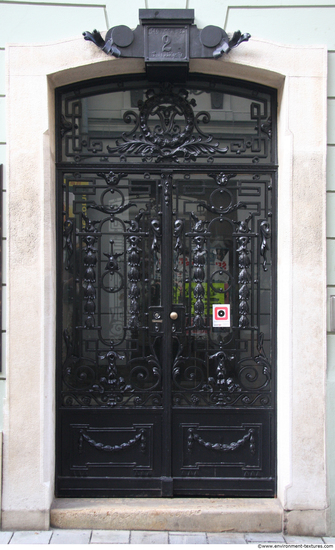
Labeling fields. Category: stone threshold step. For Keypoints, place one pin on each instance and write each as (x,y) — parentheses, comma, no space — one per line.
(214,515)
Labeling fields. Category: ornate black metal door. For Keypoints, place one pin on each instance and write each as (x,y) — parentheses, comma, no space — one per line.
(166,348)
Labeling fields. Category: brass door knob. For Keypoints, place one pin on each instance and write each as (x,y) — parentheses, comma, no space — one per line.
(173,315)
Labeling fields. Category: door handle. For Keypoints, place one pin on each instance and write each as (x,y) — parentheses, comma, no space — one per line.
(173,315)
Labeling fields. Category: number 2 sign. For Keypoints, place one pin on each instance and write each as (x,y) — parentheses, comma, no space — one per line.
(221,315)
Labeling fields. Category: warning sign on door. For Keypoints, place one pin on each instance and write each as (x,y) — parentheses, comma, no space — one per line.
(221,315)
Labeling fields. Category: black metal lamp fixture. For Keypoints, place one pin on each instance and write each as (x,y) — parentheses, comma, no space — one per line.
(167,40)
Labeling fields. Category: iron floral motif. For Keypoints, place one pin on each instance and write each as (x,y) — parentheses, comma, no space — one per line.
(178,229)
(199,261)
(134,260)
(167,142)
(244,274)
(139,438)
(225,447)
(112,179)
(223,381)
(244,399)
(156,228)
(90,260)
(178,247)
(111,382)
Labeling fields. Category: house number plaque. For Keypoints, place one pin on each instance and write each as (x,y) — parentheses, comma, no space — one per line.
(166,43)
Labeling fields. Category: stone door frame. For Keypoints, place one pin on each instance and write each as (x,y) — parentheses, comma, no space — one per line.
(300,75)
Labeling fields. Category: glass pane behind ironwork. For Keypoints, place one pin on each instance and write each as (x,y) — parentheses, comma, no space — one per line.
(220,235)
(111,277)
(221,256)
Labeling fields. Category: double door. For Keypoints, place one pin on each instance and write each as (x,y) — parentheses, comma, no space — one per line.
(166,386)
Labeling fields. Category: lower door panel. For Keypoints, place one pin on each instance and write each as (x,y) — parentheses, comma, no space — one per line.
(110,454)
(223,453)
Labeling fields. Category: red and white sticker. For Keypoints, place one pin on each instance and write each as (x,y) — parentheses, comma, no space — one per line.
(221,315)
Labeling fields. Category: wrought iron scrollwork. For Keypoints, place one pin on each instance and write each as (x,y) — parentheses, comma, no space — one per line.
(78,372)
(167,127)
(113,209)
(222,179)
(145,376)
(188,371)
(168,141)
(255,371)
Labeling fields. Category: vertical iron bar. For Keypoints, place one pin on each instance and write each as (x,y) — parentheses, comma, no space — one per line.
(166,184)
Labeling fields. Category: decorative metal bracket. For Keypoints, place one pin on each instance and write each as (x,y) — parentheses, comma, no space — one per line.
(166,39)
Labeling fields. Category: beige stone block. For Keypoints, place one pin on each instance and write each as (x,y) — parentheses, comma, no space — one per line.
(311,523)
(280,60)
(178,514)
(25,520)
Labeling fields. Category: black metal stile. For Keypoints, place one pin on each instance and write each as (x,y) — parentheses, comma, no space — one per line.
(166,183)
(169,217)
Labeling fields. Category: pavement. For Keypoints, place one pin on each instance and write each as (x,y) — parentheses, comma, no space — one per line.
(80,536)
